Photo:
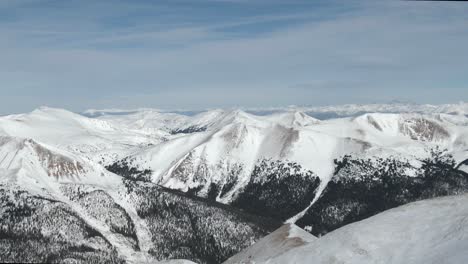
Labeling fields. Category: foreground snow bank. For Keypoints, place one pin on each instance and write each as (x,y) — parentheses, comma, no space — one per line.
(279,242)
(429,231)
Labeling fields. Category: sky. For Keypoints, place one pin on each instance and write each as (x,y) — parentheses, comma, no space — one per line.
(181,54)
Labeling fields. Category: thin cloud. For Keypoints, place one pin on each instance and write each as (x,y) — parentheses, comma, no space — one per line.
(368,52)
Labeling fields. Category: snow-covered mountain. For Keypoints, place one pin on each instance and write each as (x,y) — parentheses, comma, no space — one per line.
(35,164)
(222,177)
(59,207)
(350,110)
(280,165)
(230,144)
(226,148)
(96,139)
(321,112)
(430,231)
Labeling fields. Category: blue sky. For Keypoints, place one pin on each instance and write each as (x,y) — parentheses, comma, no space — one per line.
(227,53)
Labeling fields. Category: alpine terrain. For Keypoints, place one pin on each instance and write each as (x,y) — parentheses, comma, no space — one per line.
(341,184)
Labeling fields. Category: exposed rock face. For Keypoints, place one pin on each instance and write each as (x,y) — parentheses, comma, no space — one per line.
(57,165)
(53,163)
(373,122)
(423,129)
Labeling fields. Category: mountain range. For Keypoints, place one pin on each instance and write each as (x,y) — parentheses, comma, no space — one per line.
(148,185)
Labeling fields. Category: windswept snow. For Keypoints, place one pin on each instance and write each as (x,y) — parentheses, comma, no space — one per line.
(277,243)
(219,140)
(38,162)
(214,153)
(207,147)
(96,139)
(106,207)
(429,231)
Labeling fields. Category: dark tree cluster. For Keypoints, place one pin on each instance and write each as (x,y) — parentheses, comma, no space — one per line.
(188,130)
(194,228)
(29,232)
(362,188)
(125,169)
(102,207)
(278,189)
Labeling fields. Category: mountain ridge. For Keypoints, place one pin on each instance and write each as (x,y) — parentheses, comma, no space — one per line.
(242,173)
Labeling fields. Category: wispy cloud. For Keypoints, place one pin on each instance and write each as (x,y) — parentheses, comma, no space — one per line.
(126,55)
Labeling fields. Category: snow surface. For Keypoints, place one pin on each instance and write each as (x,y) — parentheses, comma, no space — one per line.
(93,138)
(227,139)
(277,243)
(429,231)
(41,164)
(48,147)
(233,138)
(42,170)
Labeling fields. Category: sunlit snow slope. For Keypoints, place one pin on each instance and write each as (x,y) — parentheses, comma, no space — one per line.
(96,139)
(430,231)
(56,206)
(233,142)
(116,179)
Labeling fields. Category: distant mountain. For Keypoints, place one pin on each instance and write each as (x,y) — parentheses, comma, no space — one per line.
(350,110)
(320,112)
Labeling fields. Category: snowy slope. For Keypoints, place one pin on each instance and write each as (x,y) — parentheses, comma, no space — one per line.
(154,120)
(279,165)
(292,119)
(93,138)
(430,231)
(146,120)
(235,141)
(272,165)
(42,186)
(42,165)
(39,172)
(240,140)
(277,243)
(223,147)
